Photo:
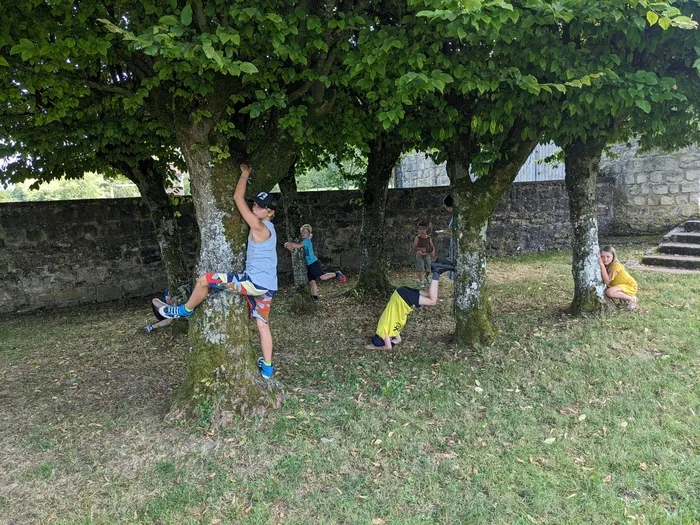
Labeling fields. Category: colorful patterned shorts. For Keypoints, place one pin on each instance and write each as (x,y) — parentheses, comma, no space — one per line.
(259,299)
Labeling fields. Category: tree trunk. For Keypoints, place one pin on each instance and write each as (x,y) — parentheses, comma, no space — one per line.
(374,266)
(303,301)
(150,180)
(222,377)
(474,203)
(582,163)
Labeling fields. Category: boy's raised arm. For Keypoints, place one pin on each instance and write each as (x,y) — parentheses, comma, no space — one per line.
(258,229)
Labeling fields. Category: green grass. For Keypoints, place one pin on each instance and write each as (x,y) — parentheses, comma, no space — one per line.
(561,420)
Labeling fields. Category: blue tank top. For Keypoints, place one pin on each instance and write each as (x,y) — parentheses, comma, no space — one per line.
(261,260)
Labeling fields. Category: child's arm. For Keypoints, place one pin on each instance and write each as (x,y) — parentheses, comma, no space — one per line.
(387,342)
(415,245)
(432,249)
(258,231)
(604,272)
(293,245)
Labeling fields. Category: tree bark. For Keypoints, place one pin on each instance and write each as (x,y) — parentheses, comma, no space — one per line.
(302,301)
(150,180)
(582,164)
(384,152)
(222,377)
(474,203)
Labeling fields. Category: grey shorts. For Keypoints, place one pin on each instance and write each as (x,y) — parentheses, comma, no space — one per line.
(423,262)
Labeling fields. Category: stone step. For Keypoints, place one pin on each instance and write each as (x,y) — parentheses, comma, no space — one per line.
(680,248)
(691,226)
(673,261)
(682,237)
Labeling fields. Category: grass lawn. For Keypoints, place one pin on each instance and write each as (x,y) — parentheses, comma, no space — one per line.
(562,420)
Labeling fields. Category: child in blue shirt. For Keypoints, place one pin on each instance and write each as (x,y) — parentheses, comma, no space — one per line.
(313,266)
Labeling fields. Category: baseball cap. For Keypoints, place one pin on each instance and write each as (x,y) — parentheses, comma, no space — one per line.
(264,200)
(421,224)
(306,227)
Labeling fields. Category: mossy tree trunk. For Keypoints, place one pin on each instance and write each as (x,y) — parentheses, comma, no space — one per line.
(582,163)
(222,378)
(150,179)
(384,152)
(474,203)
(303,301)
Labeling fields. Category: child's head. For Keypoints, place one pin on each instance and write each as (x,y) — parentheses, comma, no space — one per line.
(448,203)
(422,227)
(608,255)
(264,206)
(306,230)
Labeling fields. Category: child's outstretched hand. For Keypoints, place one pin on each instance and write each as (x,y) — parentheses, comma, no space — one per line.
(245,170)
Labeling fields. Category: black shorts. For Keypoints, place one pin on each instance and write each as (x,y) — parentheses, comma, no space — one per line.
(410,295)
(314,271)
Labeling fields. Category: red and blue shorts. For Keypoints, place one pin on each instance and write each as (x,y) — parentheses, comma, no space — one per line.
(259,299)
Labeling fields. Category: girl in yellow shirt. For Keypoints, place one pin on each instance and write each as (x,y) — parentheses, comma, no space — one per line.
(620,284)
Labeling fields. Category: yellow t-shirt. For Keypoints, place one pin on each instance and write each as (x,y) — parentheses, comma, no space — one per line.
(619,277)
(394,316)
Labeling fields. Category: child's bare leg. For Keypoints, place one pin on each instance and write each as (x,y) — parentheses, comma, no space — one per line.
(314,288)
(429,297)
(265,339)
(326,276)
(201,289)
(616,293)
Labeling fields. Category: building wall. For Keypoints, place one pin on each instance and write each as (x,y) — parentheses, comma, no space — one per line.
(71,252)
(654,191)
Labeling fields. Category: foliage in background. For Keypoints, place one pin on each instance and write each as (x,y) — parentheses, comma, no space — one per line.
(91,186)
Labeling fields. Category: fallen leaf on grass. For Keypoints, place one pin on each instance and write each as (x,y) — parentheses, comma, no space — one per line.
(378,521)
(582,417)
(607,479)
(643,466)
(549,441)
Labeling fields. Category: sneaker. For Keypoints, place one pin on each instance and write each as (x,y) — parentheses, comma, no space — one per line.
(421,284)
(441,266)
(315,298)
(173,312)
(149,329)
(341,277)
(265,370)
(428,279)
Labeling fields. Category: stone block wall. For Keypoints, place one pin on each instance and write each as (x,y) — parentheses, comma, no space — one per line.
(654,191)
(71,252)
(63,253)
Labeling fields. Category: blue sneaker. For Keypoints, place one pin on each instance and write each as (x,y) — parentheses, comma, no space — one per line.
(173,312)
(265,370)
(341,277)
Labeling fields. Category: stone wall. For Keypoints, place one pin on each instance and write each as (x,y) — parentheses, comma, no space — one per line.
(70,252)
(654,191)
(63,253)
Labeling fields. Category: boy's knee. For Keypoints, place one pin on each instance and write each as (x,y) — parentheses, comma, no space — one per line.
(608,292)
(202,281)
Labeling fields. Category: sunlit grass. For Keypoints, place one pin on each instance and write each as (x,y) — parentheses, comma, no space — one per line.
(562,420)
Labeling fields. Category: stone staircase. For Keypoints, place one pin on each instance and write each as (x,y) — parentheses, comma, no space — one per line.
(679,248)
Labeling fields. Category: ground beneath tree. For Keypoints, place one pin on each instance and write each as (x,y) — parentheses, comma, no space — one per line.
(561,420)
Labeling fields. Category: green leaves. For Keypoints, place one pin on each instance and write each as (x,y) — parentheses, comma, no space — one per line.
(25,48)
(652,17)
(643,105)
(186,15)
